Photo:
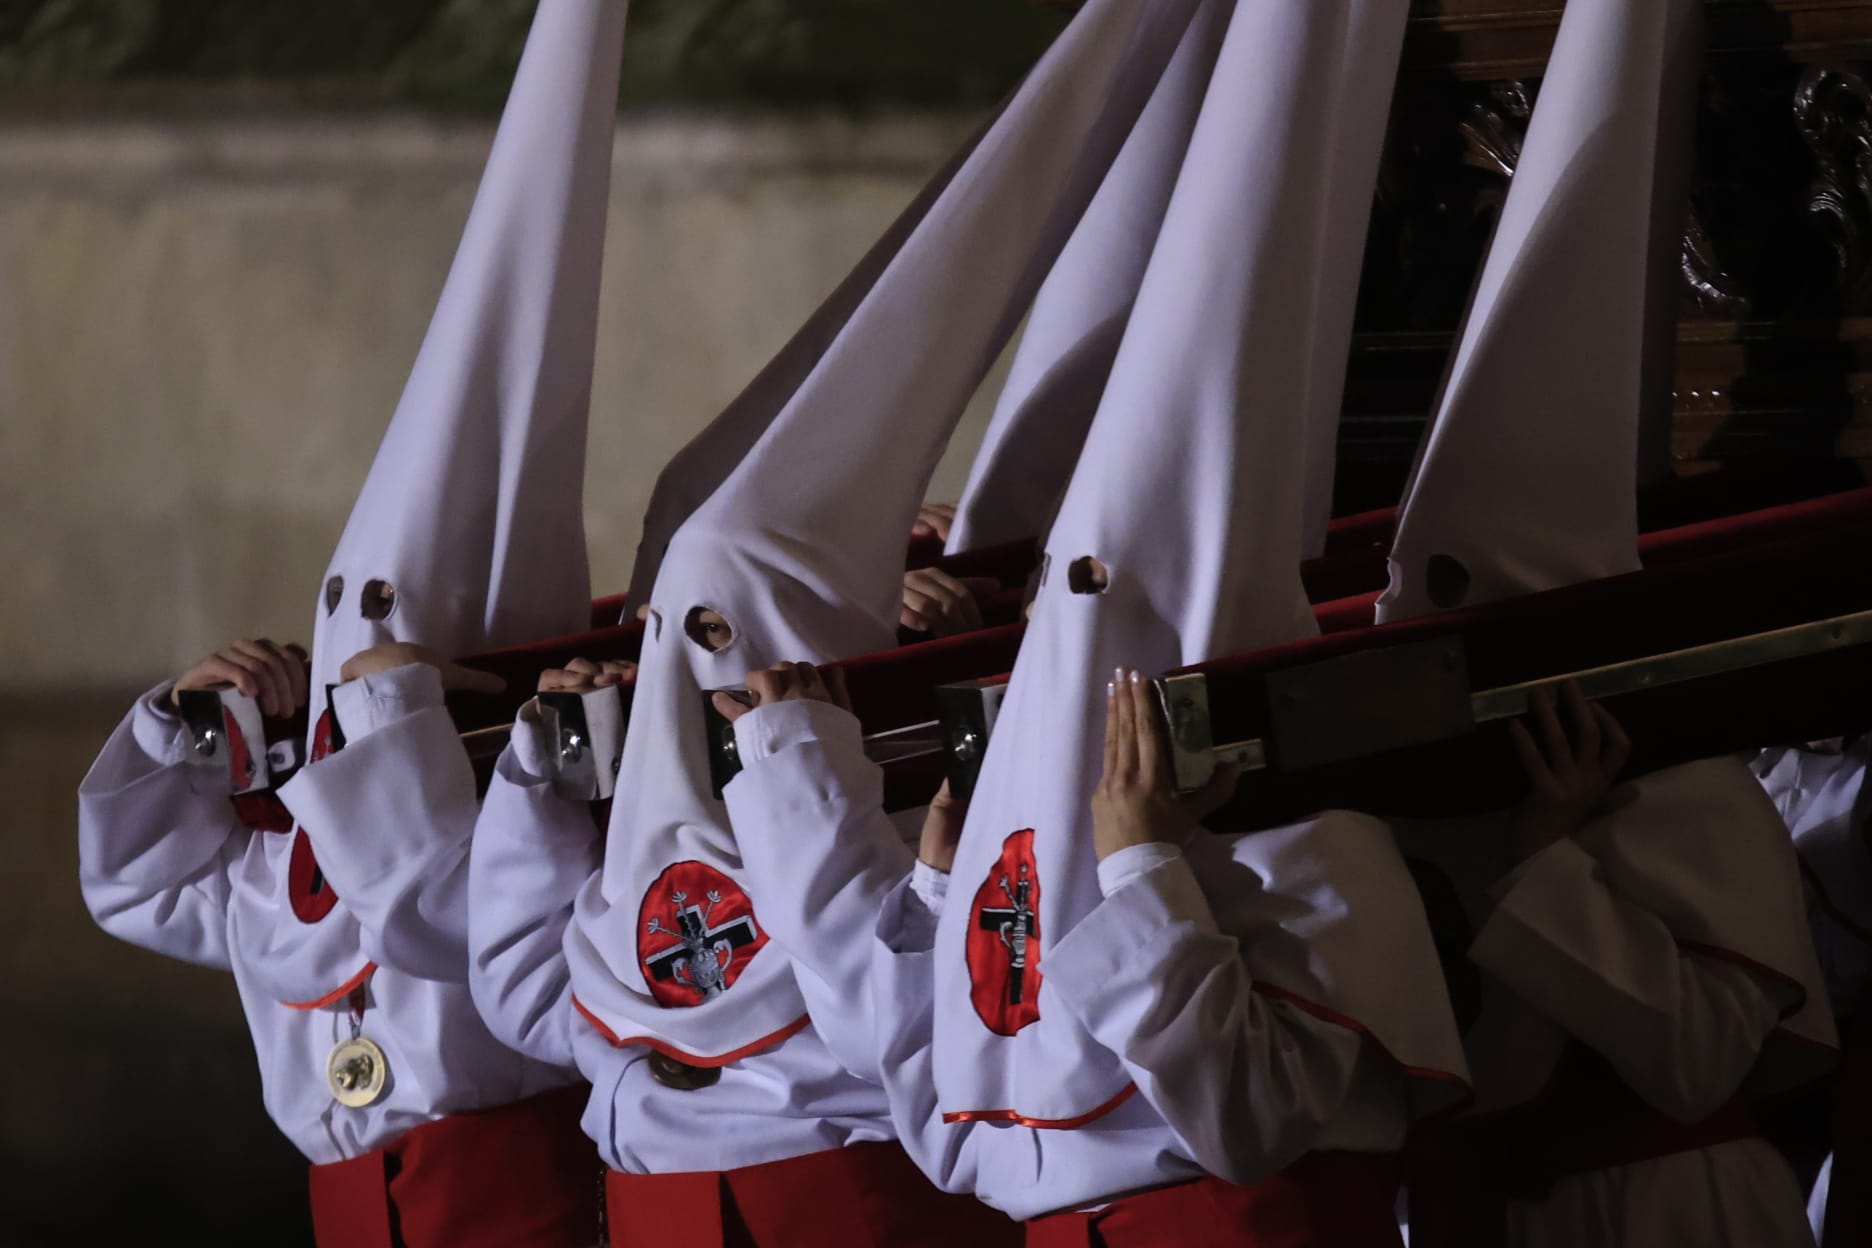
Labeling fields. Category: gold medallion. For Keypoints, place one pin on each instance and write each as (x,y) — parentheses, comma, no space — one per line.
(681,1076)
(357,1071)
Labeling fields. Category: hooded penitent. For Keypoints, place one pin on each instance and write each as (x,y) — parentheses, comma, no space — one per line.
(468,533)
(1053,388)
(1187,493)
(801,549)
(1528,479)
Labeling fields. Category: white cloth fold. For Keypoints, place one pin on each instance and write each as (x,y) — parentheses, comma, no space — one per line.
(800,548)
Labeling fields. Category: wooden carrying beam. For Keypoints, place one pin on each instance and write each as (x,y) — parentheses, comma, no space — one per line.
(1754,627)
(1759,645)
(1759,634)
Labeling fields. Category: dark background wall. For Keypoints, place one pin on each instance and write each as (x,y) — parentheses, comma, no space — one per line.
(460,53)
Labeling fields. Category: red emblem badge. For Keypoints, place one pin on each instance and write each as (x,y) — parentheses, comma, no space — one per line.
(310,893)
(1004,940)
(322,736)
(696,933)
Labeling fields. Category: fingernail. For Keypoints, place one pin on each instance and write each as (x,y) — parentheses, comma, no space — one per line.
(1111,688)
(1118,675)
(1134,676)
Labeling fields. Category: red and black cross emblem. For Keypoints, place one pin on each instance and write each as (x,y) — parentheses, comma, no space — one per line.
(697,934)
(1004,940)
(310,893)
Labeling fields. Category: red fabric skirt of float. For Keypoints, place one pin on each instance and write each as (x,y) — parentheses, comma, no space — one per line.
(864,1196)
(518,1176)
(1324,1200)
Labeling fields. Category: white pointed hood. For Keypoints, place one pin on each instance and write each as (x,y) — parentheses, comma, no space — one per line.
(700,467)
(1059,372)
(1072,335)
(472,511)
(801,548)
(1528,479)
(1186,492)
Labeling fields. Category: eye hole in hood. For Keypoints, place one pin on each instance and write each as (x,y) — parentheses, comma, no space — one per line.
(1447,580)
(708,628)
(334,593)
(1087,575)
(378,601)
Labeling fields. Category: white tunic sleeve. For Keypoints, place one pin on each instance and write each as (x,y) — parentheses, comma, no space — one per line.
(155,851)
(902,983)
(1682,1027)
(808,815)
(391,816)
(1248,1083)
(533,852)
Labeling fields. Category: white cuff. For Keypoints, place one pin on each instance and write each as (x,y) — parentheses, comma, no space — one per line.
(364,705)
(767,730)
(532,743)
(159,731)
(930,885)
(1119,869)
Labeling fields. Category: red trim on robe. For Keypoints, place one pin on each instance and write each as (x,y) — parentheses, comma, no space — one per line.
(341,991)
(1322,1012)
(690,1059)
(1783,1033)
(1330,1015)
(1723,954)
(1043,1124)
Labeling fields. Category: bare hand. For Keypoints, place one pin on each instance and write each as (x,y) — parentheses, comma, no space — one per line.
(785,682)
(395,654)
(1136,801)
(584,675)
(942,830)
(939,604)
(273,675)
(1569,773)
(934,520)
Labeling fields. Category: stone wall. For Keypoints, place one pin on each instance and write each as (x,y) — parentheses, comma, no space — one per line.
(204,326)
(461,53)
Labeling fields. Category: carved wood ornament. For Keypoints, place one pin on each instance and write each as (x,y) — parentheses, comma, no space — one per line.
(1775,340)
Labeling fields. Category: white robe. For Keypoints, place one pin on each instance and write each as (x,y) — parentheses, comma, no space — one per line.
(1230,1082)
(165,864)
(1821,795)
(534,851)
(1822,798)
(1567,954)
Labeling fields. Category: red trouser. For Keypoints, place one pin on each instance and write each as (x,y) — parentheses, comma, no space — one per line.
(864,1196)
(520,1176)
(1324,1200)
